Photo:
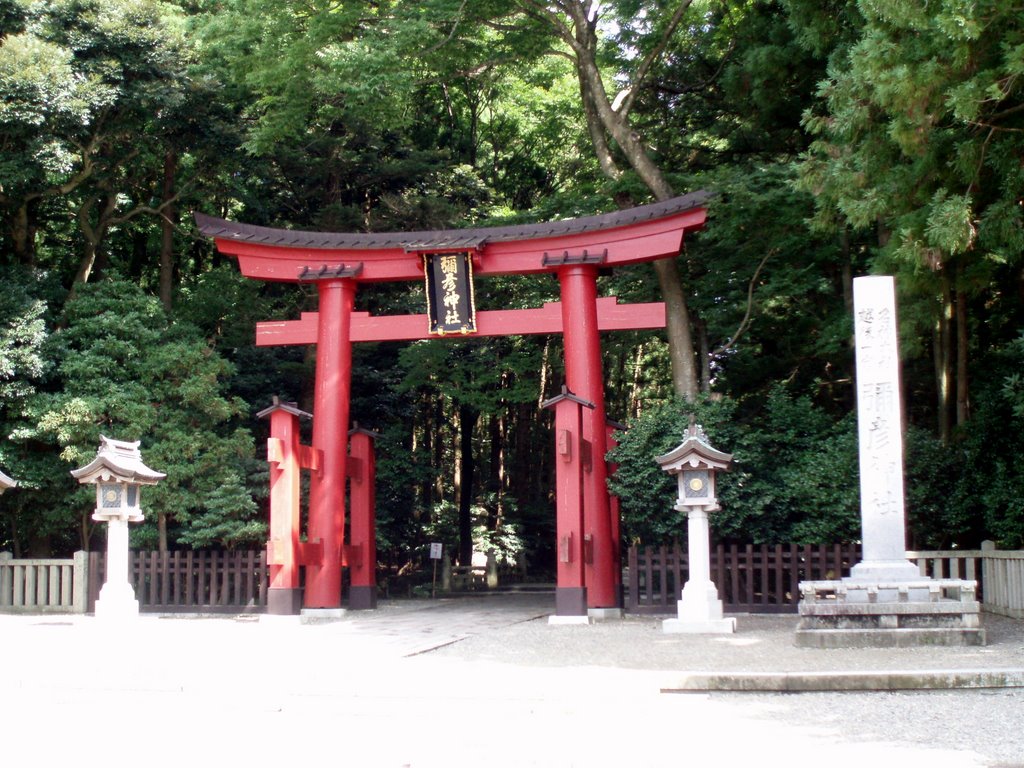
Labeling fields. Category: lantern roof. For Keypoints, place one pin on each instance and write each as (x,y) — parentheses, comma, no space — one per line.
(694,451)
(6,482)
(117,460)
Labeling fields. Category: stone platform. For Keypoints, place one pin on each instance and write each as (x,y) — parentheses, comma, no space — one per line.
(875,614)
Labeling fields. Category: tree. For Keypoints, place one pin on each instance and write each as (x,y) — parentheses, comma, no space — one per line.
(87,84)
(123,370)
(919,132)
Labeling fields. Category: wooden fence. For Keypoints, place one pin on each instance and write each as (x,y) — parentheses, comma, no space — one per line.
(999,573)
(191,582)
(750,579)
(42,585)
(766,578)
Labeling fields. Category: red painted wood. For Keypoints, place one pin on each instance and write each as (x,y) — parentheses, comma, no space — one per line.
(584,378)
(568,494)
(283,451)
(362,502)
(332,389)
(611,316)
(614,512)
(632,244)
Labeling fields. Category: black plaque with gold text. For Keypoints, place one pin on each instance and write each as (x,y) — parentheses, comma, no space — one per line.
(450,304)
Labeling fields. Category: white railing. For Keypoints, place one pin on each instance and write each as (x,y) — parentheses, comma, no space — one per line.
(1000,573)
(43,585)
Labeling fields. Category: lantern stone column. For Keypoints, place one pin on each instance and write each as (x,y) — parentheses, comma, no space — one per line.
(117,472)
(695,463)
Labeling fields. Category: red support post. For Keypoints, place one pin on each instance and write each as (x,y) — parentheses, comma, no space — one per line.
(362,565)
(570,588)
(332,390)
(584,377)
(615,509)
(284,453)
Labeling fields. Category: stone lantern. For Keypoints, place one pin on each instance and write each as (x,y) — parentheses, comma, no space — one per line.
(695,464)
(6,482)
(117,472)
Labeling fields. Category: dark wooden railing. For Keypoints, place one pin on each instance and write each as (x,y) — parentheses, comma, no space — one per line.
(761,578)
(191,582)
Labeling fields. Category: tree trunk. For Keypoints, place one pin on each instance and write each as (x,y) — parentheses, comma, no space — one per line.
(963,405)
(23,235)
(685,380)
(167,222)
(467,423)
(161,527)
(943,360)
(603,121)
(701,329)
(496,473)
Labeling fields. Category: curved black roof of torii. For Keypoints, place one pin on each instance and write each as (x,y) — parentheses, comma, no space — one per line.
(444,239)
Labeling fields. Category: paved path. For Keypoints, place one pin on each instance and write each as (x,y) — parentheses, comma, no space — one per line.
(500,688)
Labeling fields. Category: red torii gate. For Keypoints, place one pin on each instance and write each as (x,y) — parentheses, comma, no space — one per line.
(573,249)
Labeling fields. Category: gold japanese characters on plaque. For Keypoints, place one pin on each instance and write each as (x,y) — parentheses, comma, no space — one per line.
(450,301)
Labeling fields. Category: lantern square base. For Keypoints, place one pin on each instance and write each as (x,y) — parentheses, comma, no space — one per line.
(116,601)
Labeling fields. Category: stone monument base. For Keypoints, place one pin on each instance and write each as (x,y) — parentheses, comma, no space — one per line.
(874,614)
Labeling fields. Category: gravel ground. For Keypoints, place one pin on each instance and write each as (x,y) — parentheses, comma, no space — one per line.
(477,681)
(988,722)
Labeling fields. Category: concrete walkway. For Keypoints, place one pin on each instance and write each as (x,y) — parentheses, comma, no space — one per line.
(475,681)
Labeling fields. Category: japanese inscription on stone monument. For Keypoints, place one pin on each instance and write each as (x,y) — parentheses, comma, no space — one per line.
(879,418)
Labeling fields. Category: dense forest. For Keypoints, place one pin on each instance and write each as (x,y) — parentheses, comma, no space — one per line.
(839,138)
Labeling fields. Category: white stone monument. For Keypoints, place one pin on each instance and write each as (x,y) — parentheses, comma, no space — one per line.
(886,601)
(695,463)
(117,472)
(880,433)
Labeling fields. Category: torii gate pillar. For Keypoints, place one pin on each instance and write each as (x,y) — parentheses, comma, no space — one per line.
(585,379)
(332,388)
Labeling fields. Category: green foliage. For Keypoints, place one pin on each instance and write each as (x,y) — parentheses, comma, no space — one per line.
(793,479)
(122,370)
(899,122)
